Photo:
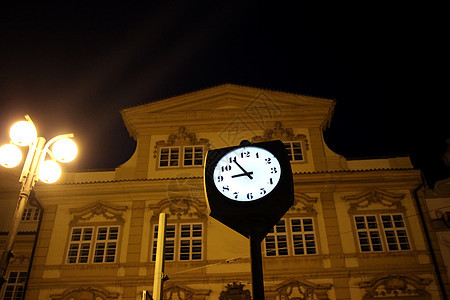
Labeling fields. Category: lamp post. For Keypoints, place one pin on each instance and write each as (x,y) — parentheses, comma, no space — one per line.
(36,166)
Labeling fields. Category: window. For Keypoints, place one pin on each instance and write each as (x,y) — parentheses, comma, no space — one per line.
(294,151)
(293,236)
(372,229)
(304,240)
(103,239)
(193,156)
(169,157)
(14,285)
(30,214)
(190,156)
(276,240)
(395,231)
(183,242)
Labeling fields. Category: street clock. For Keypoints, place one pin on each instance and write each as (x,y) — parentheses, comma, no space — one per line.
(249,187)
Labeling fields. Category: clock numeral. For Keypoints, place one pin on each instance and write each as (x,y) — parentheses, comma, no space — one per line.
(273,170)
(262,191)
(270,181)
(226,168)
(268,161)
(225,188)
(219,178)
(245,154)
(236,194)
(232,159)
(249,196)
(257,155)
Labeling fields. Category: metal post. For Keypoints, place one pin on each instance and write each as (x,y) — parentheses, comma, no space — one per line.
(257,269)
(158,277)
(27,186)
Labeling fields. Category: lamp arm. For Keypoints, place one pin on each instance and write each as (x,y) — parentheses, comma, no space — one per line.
(46,150)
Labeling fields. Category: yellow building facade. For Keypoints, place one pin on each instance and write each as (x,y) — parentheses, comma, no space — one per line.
(354,231)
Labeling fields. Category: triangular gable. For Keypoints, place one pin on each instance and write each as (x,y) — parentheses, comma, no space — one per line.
(223,104)
(223,97)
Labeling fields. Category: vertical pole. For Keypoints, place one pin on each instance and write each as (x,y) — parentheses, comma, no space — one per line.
(158,277)
(27,185)
(257,270)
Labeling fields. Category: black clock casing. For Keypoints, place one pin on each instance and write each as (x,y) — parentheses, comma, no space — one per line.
(250,217)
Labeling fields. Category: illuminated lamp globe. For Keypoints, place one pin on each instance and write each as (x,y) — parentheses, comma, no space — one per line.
(10,155)
(23,133)
(65,150)
(50,171)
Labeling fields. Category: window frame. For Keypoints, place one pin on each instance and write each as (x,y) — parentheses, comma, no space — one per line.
(194,159)
(170,148)
(30,214)
(384,242)
(290,239)
(16,285)
(182,157)
(92,243)
(290,151)
(177,239)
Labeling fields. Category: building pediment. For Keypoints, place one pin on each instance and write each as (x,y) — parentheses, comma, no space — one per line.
(226,96)
(225,101)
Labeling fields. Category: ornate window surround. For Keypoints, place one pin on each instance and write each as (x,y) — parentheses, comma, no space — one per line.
(289,233)
(303,208)
(181,210)
(85,293)
(176,291)
(178,238)
(396,286)
(294,288)
(180,140)
(392,204)
(82,218)
(14,288)
(235,291)
(287,136)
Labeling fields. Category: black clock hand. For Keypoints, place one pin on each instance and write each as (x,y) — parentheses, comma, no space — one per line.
(243,170)
(243,174)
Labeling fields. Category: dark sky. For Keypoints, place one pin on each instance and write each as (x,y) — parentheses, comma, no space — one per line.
(73,66)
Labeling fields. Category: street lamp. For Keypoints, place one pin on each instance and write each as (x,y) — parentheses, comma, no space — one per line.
(39,164)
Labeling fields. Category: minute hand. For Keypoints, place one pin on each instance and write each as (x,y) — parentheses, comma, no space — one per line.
(243,170)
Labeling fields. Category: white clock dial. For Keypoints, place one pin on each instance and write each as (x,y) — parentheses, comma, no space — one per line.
(247,173)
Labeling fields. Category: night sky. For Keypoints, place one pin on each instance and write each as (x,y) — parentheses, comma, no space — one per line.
(73,66)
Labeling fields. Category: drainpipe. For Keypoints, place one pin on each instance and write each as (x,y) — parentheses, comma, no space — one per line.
(428,239)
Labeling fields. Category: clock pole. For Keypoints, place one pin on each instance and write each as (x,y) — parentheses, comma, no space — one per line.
(256,265)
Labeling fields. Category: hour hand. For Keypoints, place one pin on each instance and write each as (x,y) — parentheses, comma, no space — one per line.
(249,174)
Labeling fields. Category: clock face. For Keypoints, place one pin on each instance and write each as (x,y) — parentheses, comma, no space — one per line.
(247,173)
